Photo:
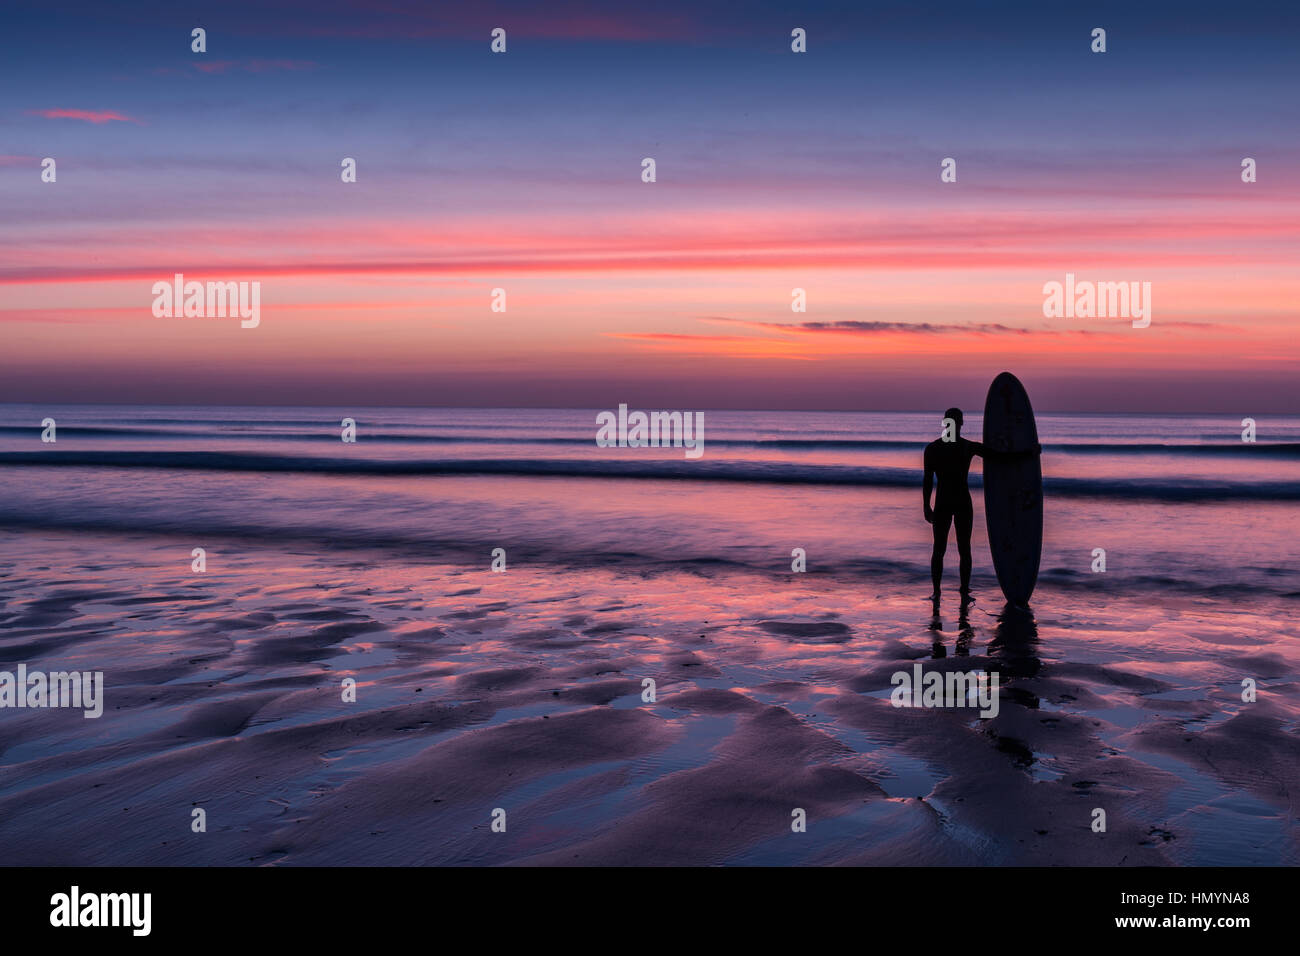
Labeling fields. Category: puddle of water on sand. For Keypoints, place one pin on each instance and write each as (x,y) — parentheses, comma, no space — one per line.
(204,677)
(1043,767)
(368,655)
(703,734)
(1182,693)
(989,851)
(904,776)
(1223,828)
(1208,721)
(1122,719)
(257,675)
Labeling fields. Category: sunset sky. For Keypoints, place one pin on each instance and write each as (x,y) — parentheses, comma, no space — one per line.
(775,170)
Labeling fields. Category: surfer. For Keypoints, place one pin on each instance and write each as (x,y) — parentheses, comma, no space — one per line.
(947,461)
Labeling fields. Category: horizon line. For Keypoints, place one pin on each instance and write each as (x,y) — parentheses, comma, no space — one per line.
(587,408)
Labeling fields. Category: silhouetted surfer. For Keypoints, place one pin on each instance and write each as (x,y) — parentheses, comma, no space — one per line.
(948,462)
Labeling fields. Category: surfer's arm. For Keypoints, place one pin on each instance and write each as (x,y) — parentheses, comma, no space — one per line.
(927,486)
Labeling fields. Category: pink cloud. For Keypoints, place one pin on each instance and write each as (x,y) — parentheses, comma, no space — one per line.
(90,116)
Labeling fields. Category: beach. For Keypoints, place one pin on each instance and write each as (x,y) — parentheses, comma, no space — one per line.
(523,690)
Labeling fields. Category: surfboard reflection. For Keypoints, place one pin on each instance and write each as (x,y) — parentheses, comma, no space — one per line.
(1014,646)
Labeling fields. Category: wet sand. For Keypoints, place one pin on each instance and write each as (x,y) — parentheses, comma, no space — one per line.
(522,691)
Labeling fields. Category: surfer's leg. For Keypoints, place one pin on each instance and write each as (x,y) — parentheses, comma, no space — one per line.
(964,519)
(942,522)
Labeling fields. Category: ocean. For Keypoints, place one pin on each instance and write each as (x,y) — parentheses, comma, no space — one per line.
(522,688)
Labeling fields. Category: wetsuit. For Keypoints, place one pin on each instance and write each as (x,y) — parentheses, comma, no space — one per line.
(949,462)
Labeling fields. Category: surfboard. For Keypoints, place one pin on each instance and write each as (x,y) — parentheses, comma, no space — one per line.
(1013,488)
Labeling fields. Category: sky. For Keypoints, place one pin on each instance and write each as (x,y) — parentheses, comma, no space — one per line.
(775,170)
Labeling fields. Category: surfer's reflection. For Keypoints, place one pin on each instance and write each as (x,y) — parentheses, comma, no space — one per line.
(936,625)
(965,633)
(1014,651)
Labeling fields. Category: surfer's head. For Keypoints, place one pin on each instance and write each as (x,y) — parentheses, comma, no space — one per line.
(955,415)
